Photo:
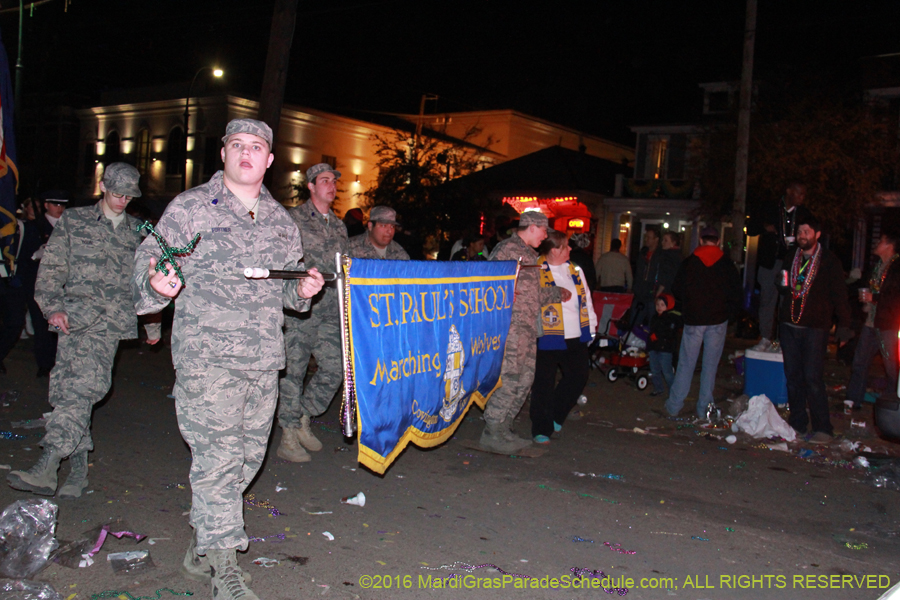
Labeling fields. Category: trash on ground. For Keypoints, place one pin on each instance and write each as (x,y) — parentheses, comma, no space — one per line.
(20,589)
(328,535)
(135,561)
(26,537)
(885,474)
(761,420)
(266,562)
(357,500)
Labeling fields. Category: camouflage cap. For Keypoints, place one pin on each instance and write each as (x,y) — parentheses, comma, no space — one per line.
(533,217)
(249,126)
(316,170)
(122,178)
(383,214)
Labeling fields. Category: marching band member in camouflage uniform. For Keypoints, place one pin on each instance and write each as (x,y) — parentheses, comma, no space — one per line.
(517,371)
(378,241)
(227,344)
(317,332)
(83,288)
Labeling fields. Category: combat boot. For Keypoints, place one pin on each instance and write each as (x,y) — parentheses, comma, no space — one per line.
(290,448)
(227,577)
(498,438)
(39,479)
(306,437)
(77,480)
(196,567)
(510,435)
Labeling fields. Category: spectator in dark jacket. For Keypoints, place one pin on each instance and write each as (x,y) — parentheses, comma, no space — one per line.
(815,294)
(780,223)
(578,244)
(709,287)
(883,301)
(669,260)
(664,327)
(646,274)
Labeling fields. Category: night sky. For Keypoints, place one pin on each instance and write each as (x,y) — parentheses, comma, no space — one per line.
(597,66)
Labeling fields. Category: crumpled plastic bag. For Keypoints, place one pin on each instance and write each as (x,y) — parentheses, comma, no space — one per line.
(761,420)
(26,537)
(11,589)
(885,473)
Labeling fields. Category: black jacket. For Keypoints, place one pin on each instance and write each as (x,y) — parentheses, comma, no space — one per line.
(709,287)
(827,296)
(646,274)
(664,332)
(887,301)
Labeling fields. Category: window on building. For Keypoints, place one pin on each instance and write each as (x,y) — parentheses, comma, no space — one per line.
(211,157)
(330,160)
(90,157)
(657,157)
(113,148)
(143,151)
(175,152)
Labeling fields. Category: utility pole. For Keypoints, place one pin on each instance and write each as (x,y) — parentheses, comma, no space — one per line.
(743,138)
(425,97)
(281,36)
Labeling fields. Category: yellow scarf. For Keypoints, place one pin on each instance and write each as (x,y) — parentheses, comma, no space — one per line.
(554,337)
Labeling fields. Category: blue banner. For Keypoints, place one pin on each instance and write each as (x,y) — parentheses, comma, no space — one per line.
(427,340)
(9,174)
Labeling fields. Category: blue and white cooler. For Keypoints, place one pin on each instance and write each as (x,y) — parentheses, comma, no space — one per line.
(764,374)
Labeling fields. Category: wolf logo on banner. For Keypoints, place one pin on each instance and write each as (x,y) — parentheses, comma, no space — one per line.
(453,389)
(426,340)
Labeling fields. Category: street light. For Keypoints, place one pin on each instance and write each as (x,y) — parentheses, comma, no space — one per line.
(217,72)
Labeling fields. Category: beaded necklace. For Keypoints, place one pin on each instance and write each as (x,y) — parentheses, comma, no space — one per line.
(877,281)
(801,284)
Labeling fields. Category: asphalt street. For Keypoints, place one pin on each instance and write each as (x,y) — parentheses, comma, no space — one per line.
(664,510)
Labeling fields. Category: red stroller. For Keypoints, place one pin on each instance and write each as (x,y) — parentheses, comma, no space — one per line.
(618,350)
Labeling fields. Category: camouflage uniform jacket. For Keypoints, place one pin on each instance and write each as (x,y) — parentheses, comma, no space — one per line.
(86,272)
(360,247)
(221,317)
(323,236)
(530,296)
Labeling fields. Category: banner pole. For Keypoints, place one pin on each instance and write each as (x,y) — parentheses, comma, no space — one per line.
(348,405)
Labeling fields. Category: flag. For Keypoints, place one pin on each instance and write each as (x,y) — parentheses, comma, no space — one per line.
(9,173)
(426,341)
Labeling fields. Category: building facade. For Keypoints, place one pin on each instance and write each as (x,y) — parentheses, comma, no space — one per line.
(151,135)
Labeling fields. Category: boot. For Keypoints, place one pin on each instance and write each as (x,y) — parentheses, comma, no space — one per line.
(306,437)
(498,438)
(509,434)
(227,577)
(290,448)
(196,567)
(77,480)
(39,479)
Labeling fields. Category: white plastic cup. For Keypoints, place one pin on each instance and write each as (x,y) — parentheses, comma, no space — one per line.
(357,500)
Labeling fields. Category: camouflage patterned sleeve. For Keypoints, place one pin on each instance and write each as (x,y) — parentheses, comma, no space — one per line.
(53,273)
(290,296)
(550,295)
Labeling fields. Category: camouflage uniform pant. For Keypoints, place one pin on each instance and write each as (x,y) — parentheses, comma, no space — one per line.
(516,375)
(320,336)
(225,416)
(81,378)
